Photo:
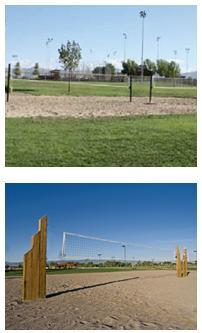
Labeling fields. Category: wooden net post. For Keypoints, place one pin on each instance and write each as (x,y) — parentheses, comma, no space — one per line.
(185,265)
(150,87)
(131,87)
(34,267)
(8,83)
(178,263)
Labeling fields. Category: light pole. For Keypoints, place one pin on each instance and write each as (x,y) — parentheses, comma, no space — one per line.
(124,252)
(195,251)
(175,54)
(99,255)
(91,62)
(142,15)
(124,46)
(187,50)
(49,40)
(14,56)
(157,40)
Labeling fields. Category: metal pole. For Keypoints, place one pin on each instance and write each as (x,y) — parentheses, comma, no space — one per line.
(8,83)
(124,252)
(99,255)
(49,40)
(187,60)
(158,39)
(142,15)
(124,46)
(142,68)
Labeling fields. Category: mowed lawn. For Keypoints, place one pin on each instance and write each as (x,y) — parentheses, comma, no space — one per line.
(58,88)
(129,141)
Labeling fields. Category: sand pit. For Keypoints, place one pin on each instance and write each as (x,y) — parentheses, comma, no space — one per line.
(22,105)
(123,300)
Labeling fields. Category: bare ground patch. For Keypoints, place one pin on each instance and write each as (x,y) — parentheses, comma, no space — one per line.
(121,300)
(22,105)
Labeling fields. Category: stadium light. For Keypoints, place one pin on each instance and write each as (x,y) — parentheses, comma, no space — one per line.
(175,54)
(157,40)
(187,50)
(124,46)
(124,252)
(49,40)
(99,255)
(142,15)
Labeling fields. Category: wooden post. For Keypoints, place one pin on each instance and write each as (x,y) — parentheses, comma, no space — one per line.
(185,265)
(8,83)
(34,268)
(131,88)
(150,87)
(178,263)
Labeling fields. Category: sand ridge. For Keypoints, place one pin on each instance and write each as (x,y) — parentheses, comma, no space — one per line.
(121,300)
(24,105)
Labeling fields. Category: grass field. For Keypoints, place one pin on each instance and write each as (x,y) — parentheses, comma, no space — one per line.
(57,88)
(130,141)
(102,269)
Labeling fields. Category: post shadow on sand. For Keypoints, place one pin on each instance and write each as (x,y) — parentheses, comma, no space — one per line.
(58,293)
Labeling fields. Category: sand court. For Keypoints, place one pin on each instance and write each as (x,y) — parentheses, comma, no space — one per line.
(118,300)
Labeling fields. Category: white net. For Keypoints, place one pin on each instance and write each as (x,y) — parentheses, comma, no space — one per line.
(81,247)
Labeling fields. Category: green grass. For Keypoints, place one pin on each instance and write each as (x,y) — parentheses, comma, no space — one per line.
(73,270)
(14,273)
(57,88)
(132,141)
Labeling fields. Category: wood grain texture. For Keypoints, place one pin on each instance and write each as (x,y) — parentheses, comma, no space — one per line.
(34,268)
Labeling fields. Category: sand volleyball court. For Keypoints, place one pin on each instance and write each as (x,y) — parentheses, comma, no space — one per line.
(22,105)
(122,300)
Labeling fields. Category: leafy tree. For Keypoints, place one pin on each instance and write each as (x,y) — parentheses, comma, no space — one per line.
(149,66)
(69,56)
(173,69)
(99,70)
(109,69)
(17,69)
(168,69)
(130,67)
(162,67)
(36,69)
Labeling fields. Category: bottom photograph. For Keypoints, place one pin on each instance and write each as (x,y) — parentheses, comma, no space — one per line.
(101,256)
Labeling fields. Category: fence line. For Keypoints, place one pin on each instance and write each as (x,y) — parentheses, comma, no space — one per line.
(60,75)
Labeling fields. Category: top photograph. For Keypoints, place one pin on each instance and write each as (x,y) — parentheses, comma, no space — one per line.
(101,86)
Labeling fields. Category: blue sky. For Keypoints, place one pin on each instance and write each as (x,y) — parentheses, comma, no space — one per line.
(156,215)
(99,31)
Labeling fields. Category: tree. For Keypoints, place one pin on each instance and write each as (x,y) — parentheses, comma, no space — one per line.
(168,69)
(149,66)
(130,67)
(17,69)
(98,70)
(69,56)
(109,69)
(162,67)
(173,69)
(36,69)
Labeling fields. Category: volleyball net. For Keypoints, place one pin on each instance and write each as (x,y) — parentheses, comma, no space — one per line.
(82,247)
